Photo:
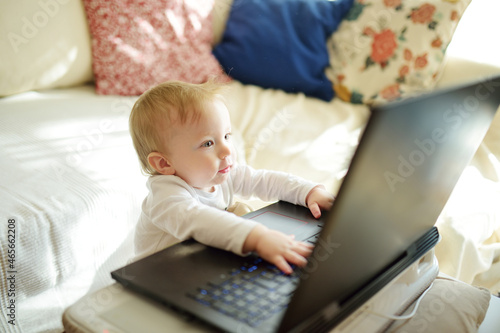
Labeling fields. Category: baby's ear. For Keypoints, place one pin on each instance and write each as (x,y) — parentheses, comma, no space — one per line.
(160,163)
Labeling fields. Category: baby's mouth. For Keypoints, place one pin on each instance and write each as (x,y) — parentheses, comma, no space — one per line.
(226,169)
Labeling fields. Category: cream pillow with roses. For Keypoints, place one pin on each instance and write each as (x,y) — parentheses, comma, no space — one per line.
(387,48)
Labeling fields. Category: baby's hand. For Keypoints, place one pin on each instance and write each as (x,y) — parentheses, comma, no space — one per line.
(277,248)
(319,198)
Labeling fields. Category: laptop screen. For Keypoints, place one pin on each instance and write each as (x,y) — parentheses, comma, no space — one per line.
(409,159)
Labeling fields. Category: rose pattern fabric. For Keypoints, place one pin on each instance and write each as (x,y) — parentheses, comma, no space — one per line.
(383,46)
(423,14)
(138,44)
(387,49)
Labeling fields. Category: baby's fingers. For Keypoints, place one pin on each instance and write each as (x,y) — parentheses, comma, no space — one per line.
(315,210)
(282,265)
(296,258)
(304,249)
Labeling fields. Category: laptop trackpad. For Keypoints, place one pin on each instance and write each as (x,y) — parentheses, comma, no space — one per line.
(288,225)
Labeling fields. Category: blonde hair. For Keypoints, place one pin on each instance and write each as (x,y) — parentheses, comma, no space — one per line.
(160,105)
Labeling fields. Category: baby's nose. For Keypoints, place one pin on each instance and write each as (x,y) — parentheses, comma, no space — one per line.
(225,151)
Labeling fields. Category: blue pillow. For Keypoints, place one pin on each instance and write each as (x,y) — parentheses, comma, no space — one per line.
(281,44)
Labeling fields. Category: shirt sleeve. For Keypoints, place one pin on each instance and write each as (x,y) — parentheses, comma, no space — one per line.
(270,185)
(176,210)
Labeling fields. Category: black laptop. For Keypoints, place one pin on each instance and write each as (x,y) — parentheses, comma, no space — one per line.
(409,158)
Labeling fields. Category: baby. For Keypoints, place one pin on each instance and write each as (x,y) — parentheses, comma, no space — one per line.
(182,135)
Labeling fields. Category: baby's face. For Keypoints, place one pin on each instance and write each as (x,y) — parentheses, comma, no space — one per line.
(201,152)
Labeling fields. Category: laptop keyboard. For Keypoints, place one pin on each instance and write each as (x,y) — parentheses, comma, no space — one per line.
(251,293)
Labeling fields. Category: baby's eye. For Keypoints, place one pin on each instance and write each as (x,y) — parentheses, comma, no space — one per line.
(207,144)
(228,136)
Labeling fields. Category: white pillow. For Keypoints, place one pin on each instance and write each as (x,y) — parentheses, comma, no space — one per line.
(45,44)
(220,15)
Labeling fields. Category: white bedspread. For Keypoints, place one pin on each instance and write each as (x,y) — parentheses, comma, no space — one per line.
(70,179)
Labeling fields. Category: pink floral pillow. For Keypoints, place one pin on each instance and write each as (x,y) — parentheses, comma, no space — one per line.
(387,48)
(138,44)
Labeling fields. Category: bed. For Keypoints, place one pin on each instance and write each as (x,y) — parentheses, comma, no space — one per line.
(71,186)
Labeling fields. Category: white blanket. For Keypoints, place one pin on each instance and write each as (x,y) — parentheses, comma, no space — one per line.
(70,180)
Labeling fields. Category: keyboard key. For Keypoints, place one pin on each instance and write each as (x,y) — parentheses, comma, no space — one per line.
(226,308)
(240,292)
(240,304)
(221,280)
(267,283)
(251,298)
(287,288)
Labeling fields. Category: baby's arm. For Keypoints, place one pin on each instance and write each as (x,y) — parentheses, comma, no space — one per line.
(173,213)
(271,185)
(277,248)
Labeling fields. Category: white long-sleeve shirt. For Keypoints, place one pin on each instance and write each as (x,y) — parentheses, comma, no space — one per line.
(174,211)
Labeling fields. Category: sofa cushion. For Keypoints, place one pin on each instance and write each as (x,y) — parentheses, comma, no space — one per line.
(136,45)
(448,306)
(45,44)
(281,44)
(384,49)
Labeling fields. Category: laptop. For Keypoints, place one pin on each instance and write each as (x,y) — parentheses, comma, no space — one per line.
(409,158)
